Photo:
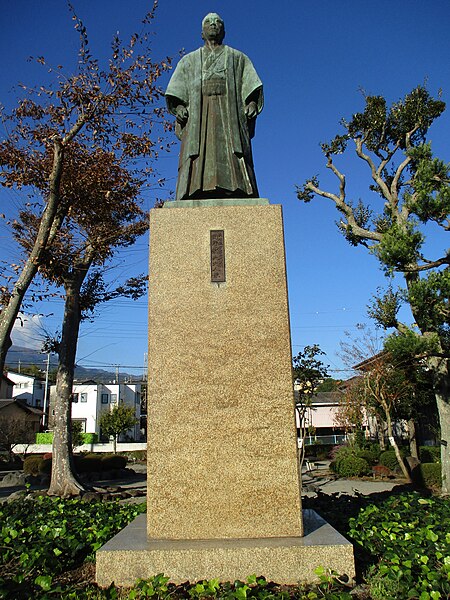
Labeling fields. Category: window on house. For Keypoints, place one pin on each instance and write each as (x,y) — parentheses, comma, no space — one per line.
(137,397)
(113,398)
(83,397)
(75,398)
(105,398)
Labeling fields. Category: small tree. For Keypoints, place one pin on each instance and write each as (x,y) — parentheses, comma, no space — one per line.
(76,430)
(351,413)
(308,372)
(14,431)
(384,388)
(119,420)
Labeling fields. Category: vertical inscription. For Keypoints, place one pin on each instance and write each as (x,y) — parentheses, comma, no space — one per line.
(217,244)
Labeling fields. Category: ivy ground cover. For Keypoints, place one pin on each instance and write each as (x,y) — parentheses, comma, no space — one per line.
(410,537)
(43,537)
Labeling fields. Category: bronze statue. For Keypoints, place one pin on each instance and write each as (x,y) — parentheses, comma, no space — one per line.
(215,95)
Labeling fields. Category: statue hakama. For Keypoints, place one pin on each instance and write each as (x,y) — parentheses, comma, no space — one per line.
(215,94)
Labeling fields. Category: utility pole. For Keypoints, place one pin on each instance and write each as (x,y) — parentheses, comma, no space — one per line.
(44,416)
(145,370)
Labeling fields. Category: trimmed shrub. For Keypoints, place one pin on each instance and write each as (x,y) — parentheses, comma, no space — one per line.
(389,460)
(88,464)
(46,466)
(372,455)
(320,451)
(351,466)
(336,450)
(431,475)
(36,464)
(32,464)
(44,438)
(430,454)
(136,455)
(113,461)
(47,438)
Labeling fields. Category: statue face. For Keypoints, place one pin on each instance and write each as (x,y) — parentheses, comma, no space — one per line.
(213,28)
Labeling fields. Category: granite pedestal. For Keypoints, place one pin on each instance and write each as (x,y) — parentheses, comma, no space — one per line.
(223,480)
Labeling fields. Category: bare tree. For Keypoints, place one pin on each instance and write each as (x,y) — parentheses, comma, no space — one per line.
(15,431)
(112,109)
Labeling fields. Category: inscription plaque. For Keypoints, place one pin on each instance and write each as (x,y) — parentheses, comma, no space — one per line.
(217,244)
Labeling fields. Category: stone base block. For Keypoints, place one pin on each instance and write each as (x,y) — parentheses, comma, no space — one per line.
(289,560)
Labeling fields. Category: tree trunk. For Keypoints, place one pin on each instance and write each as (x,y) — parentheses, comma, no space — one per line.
(393,442)
(412,435)
(115,443)
(439,368)
(301,412)
(441,386)
(50,222)
(380,432)
(63,480)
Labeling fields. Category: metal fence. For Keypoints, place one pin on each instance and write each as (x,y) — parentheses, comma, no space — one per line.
(326,439)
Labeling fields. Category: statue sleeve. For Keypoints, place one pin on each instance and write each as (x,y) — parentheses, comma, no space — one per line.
(177,90)
(252,87)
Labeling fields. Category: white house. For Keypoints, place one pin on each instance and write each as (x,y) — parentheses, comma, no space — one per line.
(90,399)
(27,388)
(321,418)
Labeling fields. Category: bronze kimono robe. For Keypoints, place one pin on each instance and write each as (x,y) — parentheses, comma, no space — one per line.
(215,157)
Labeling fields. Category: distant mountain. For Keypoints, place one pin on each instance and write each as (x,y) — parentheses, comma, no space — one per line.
(19,357)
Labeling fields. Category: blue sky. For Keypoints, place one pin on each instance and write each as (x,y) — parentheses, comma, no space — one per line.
(313,57)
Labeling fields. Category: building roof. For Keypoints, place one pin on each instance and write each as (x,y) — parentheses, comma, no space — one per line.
(324,397)
(368,363)
(27,375)
(22,405)
(327,397)
(8,381)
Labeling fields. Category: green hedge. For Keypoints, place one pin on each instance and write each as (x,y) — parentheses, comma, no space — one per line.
(113,461)
(84,463)
(47,438)
(44,438)
(32,464)
(350,461)
(352,466)
(430,454)
(389,460)
(320,451)
(431,475)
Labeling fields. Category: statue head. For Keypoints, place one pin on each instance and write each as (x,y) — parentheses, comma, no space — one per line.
(213,28)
